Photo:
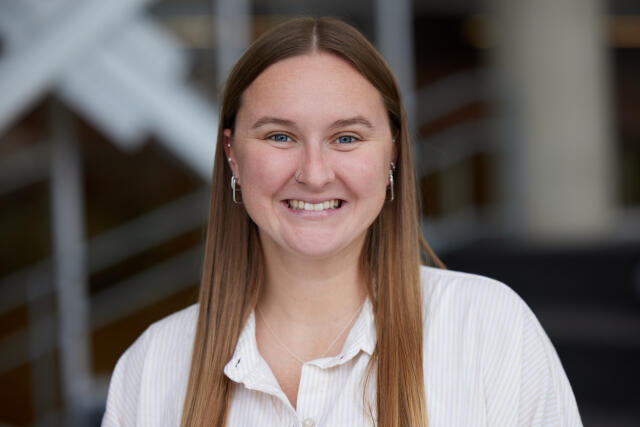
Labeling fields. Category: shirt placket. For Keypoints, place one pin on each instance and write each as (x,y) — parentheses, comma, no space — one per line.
(312,393)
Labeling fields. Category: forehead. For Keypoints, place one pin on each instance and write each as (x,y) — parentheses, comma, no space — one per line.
(317,85)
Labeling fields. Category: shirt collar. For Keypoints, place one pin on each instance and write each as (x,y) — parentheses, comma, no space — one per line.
(247,365)
(362,337)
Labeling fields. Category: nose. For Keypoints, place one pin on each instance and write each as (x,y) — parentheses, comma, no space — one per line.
(315,170)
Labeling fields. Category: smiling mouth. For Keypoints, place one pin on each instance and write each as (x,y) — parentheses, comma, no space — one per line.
(326,205)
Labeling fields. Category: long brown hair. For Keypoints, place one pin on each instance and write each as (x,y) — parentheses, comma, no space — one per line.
(233,269)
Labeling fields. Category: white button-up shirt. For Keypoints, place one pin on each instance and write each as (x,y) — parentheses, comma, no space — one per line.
(487,362)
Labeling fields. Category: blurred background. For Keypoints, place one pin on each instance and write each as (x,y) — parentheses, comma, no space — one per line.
(526,124)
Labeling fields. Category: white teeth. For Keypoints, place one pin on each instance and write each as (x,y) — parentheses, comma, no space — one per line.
(300,205)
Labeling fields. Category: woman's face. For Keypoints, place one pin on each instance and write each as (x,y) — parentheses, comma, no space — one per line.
(311,151)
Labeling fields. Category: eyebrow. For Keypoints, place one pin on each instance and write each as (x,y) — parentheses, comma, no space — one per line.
(267,120)
(357,120)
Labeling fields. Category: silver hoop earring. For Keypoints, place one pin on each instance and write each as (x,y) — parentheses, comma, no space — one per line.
(233,190)
(391,169)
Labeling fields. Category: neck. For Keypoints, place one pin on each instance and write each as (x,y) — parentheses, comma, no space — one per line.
(313,292)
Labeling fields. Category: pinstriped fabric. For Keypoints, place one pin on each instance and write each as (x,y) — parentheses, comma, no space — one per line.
(487,362)
(330,391)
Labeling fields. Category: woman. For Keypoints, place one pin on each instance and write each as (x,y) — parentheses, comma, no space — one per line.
(313,308)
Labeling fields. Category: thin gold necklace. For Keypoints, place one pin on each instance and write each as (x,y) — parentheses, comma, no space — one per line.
(291,353)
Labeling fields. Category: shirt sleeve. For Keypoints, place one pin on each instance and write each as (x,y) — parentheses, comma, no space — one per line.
(545,397)
(124,388)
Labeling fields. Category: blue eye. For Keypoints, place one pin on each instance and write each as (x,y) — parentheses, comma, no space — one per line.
(280,137)
(346,139)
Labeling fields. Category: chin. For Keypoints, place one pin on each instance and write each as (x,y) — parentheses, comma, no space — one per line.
(313,251)
(315,248)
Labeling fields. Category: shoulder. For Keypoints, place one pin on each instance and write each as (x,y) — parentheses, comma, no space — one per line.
(500,352)
(472,311)
(167,336)
(446,290)
(154,366)
(178,327)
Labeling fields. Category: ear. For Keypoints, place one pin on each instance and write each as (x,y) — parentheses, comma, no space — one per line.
(227,141)
(395,144)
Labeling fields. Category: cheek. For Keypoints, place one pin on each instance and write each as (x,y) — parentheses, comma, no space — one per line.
(261,175)
(367,176)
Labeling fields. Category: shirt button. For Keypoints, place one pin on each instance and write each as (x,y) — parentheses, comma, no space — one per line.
(308,422)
